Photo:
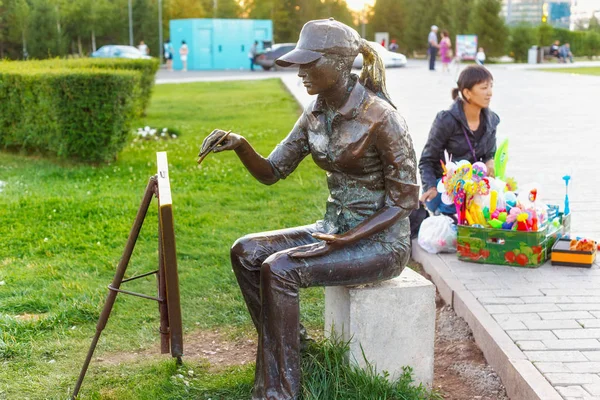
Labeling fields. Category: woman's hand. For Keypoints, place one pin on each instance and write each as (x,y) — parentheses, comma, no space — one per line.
(429,195)
(490,167)
(231,142)
(330,242)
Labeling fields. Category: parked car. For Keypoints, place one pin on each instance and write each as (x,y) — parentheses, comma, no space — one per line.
(267,59)
(117,51)
(390,59)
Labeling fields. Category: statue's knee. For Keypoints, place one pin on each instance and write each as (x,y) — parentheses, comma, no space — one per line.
(278,265)
(242,248)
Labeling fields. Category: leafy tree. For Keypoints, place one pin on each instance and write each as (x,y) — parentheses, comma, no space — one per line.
(258,9)
(594,24)
(390,16)
(545,33)
(489,26)
(286,21)
(45,37)
(460,13)
(179,9)
(521,39)
(422,14)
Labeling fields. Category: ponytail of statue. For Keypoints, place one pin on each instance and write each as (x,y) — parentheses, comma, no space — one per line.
(373,71)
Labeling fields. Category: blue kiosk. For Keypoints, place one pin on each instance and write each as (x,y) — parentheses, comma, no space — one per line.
(219,43)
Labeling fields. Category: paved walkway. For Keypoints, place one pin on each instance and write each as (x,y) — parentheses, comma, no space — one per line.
(539,328)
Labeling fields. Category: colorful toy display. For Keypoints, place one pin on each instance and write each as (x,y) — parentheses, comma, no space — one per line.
(500,222)
(486,202)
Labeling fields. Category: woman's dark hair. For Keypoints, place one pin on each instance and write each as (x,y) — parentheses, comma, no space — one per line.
(469,77)
(445,33)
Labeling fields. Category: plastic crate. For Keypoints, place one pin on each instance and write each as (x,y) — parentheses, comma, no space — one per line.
(504,247)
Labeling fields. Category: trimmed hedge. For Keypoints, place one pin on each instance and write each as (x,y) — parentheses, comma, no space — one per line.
(522,37)
(147,69)
(83,114)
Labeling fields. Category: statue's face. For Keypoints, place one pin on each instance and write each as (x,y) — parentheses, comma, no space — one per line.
(322,75)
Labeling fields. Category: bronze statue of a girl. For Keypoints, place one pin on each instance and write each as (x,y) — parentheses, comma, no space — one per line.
(352,131)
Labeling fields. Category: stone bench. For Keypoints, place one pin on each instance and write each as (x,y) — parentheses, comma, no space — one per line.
(393,321)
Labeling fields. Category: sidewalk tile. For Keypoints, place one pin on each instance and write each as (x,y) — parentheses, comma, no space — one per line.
(546,367)
(590,323)
(530,344)
(580,306)
(557,378)
(529,308)
(555,356)
(546,299)
(553,324)
(572,344)
(584,367)
(500,300)
(566,315)
(572,391)
(577,333)
(532,335)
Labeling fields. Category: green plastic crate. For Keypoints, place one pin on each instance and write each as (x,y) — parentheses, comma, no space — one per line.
(504,247)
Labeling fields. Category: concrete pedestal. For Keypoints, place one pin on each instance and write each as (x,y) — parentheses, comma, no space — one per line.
(393,321)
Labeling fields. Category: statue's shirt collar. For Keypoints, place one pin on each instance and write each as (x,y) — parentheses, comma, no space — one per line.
(350,108)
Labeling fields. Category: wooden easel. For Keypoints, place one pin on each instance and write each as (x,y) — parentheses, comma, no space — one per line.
(169,307)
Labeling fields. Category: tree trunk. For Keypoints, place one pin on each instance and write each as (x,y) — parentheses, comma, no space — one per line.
(93,40)
(79,46)
(58,20)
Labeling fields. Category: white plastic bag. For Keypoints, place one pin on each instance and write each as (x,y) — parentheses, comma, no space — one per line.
(438,235)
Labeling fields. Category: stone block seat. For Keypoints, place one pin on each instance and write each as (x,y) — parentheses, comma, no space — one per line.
(393,321)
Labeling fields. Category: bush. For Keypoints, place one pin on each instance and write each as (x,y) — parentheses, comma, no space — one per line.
(592,44)
(146,68)
(522,37)
(83,114)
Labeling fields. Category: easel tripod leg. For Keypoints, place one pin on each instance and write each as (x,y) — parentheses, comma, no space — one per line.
(116,283)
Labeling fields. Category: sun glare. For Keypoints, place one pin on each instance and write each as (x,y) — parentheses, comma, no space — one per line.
(358,5)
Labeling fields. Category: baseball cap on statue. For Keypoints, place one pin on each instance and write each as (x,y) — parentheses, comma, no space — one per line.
(319,37)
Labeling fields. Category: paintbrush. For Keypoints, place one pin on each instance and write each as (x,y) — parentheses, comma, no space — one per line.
(202,156)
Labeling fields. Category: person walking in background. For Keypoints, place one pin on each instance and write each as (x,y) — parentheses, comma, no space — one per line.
(432,40)
(168,53)
(183,54)
(143,48)
(252,54)
(445,51)
(480,58)
(393,46)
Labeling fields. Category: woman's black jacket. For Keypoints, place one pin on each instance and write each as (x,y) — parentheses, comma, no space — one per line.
(447,134)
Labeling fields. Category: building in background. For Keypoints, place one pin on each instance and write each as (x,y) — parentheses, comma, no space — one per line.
(535,12)
(219,43)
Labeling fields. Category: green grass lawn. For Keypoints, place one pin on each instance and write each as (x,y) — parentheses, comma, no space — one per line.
(578,71)
(64,227)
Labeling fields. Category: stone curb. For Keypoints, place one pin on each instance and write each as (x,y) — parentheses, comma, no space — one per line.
(520,377)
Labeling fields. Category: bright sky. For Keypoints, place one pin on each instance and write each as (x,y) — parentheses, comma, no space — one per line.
(357,5)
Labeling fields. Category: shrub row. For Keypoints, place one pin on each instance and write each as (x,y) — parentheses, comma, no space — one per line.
(522,37)
(146,68)
(82,114)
